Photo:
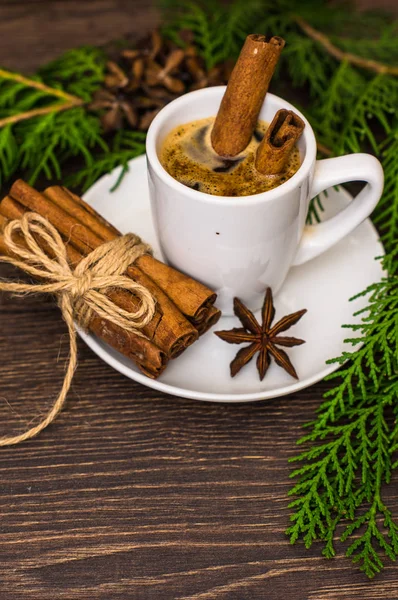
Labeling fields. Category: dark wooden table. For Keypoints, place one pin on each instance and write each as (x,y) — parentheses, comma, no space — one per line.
(133,494)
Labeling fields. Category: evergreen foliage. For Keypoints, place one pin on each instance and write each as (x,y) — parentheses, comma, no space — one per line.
(79,71)
(42,144)
(125,146)
(350,446)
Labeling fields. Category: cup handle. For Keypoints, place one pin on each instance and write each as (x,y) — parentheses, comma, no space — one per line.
(333,171)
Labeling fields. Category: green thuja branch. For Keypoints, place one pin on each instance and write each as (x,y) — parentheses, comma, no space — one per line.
(316,68)
(219,31)
(382,49)
(375,105)
(204,25)
(316,209)
(125,146)
(339,54)
(79,71)
(43,121)
(386,214)
(341,475)
(351,444)
(14,85)
(366,549)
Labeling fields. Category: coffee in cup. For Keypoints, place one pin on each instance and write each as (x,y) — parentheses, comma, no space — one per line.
(187,155)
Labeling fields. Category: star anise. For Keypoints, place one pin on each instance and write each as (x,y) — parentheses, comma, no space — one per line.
(140,81)
(116,109)
(262,338)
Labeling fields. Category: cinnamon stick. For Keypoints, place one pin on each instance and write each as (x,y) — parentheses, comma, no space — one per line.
(169,330)
(149,358)
(195,300)
(11,210)
(245,93)
(3,247)
(191,297)
(212,317)
(278,142)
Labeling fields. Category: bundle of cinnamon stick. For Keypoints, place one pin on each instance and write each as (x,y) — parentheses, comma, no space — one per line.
(184,307)
(240,107)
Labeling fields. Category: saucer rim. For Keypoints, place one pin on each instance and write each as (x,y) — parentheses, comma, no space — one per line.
(173,390)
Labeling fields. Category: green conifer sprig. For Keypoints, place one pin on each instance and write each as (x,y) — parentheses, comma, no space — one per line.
(207,20)
(79,71)
(125,146)
(353,439)
(386,214)
(384,48)
(60,128)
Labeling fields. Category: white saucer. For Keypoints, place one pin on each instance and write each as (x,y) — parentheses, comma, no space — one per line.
(323,286)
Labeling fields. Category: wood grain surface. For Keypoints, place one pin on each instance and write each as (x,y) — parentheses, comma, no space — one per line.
(133,494)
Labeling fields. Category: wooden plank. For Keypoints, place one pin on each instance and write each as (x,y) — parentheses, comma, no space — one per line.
(34,32)
(135,494)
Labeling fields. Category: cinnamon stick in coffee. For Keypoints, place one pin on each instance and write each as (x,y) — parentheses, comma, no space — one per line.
(148,357)
(278,142)
(245,93)
(191,297)
(169,329)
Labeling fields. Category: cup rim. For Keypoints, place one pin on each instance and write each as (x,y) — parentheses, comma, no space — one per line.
(269,195)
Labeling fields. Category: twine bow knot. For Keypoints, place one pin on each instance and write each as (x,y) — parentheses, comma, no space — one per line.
(80,284)
(39,250)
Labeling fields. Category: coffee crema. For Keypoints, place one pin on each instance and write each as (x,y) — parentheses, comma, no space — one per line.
(188,156)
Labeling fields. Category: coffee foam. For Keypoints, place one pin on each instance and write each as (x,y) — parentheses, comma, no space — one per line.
(188,156)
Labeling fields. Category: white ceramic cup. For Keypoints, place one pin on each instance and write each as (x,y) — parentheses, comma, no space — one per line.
(239,246)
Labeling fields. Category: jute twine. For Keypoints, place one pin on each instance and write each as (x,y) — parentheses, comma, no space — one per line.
(81,292)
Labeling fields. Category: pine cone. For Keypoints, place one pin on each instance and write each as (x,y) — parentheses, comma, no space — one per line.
(144,79)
